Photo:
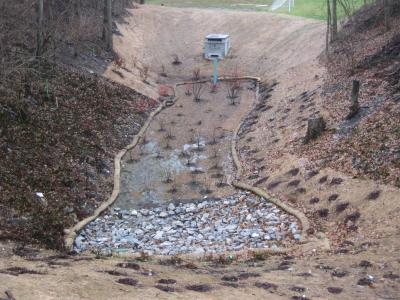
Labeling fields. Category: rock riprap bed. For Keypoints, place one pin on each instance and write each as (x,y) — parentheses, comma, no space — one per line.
(234,223)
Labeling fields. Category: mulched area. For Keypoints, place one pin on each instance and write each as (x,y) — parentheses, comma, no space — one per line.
(59,131)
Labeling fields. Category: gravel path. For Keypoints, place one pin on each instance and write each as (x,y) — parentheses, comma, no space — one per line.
(213,226)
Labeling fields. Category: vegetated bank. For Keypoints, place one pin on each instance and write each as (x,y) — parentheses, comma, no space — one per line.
(60,126)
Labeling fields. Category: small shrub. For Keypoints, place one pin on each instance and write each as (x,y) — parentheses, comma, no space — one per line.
(175,60)
(169,135)
(333,197)
(163,73)
(266,285)
(323,212)
(334,290)
(294,183)
(144,73)
(197,90)
(214,88)
(167,281)
(163,91)
(353,217)
(341,206)
(188,89)
(173,189)
(199,288)
(233,88)
(165,288)
(196,74)
(323,179)
(373,195)
(161,126)
(128,281)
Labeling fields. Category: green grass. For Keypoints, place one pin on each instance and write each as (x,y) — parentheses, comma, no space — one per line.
(315,9)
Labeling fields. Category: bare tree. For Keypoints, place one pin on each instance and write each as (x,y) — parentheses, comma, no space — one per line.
(334,20)
(355,106)
(39,46)
(107,29)
(387,12)
(328,26)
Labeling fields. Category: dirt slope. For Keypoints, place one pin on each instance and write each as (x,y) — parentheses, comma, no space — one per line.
(263,44)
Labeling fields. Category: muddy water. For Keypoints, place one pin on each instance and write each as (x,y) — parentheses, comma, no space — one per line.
(145,182)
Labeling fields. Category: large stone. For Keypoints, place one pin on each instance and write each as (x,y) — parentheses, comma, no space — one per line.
(163,214)
(159,234)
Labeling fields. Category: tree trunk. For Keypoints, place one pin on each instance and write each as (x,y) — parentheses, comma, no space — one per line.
(355,106)
(39,45)
(334,20)
(104,35)
(316,127)
(328,27)
(78,15)
(387,11)
(108,24)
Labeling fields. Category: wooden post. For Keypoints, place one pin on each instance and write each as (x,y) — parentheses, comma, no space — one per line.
(355,106)
(315,128)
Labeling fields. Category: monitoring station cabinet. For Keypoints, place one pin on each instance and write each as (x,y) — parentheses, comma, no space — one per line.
(217,46)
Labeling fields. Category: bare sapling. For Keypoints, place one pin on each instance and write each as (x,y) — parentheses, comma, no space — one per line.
(192,139)
(214,154)
(188,89)
(169,135)
(214,88)
(233,88)
(197,89)
(221,182)
(174,189)
(163,72)
(167,145)
(144,73)
(168,177)
(206,190)
(199,144)
(213,140)
(175,60)
(161,126)
(131,158)
(159,155)
(142,150)
(196,74)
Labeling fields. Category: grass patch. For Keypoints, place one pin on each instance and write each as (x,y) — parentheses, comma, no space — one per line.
(315,9)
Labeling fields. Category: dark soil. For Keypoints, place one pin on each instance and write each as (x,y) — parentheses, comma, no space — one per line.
(202,288)
(128,281)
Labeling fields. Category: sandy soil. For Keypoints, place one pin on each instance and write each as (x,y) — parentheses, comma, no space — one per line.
(87,278)
(364,246)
